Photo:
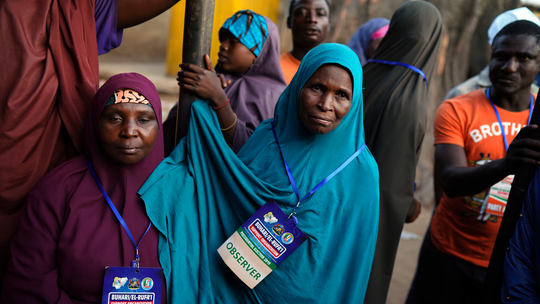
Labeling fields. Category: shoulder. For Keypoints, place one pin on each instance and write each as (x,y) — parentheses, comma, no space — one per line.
(466,102)
(468,86)
(62,179)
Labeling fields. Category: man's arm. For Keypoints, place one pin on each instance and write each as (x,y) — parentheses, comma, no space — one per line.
(133,12)
(457,179)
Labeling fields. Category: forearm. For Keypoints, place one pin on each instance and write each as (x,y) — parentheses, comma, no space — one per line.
(133,12)
(227,122)
(462,181)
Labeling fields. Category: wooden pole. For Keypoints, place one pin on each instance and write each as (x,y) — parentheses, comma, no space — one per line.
(522,179)
(197,42)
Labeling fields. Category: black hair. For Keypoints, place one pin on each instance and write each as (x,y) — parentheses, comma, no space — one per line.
(520,27)
(291,6)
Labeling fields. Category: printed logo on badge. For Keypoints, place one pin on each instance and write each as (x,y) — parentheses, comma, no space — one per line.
(119,282)
(134,284)
(287,238)
(147,283)
(278,229)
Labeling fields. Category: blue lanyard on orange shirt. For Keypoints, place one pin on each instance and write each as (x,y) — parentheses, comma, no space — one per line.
(319,185)
(499,117)
(134,263)
(417,70)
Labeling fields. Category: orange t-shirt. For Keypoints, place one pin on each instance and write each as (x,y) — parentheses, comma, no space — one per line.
(289,65)
(459,226)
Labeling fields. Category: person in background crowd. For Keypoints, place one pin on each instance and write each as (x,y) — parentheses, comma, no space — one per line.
(309,21)
(396,102)
(49,63)
(481,80)
(68,233)
(368,37)
(203,192)
(479,144)
(250,73)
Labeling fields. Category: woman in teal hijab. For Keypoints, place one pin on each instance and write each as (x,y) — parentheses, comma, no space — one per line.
(203,192)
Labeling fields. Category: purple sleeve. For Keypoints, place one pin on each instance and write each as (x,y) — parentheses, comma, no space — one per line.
(108,36)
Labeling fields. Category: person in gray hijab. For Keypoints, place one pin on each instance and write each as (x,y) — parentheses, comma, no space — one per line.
(396,82)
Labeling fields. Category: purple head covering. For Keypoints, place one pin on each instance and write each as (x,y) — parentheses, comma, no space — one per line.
(359,42)
(253,96)
(68,233)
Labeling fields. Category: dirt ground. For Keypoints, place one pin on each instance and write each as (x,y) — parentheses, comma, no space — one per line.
(407,257)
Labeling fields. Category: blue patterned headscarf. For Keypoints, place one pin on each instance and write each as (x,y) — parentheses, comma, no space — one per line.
(250,28)
(203,192)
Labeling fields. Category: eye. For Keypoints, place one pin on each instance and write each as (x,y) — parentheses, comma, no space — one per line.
(317,88)
(342,95)
(321,13)
(523,58)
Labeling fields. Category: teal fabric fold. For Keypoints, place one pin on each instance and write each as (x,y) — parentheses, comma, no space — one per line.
(203,192)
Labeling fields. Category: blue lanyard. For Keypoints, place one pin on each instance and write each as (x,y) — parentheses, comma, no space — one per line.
(134,263)
(417,70)
(499,117)
(324,181)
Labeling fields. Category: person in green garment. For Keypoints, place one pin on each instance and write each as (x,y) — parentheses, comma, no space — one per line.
(203,192)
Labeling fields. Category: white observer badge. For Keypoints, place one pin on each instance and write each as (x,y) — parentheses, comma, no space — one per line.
(265,240)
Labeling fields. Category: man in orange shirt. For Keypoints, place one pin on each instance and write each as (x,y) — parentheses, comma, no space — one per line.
(477,151)
(309,21)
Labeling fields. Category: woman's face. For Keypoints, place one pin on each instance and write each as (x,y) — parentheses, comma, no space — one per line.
(127,132)
(233,56)
(325,99)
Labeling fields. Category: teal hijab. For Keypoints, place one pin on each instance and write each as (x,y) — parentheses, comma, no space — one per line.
(203,192)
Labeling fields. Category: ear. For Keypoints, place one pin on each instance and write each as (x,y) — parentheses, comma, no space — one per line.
(289,22)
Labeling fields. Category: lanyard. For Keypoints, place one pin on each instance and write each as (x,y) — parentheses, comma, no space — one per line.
(134,263)
(499,117)
(324,181)
(417,70)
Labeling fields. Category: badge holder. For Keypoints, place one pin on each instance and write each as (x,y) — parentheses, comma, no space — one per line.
(132,285)
(265,240)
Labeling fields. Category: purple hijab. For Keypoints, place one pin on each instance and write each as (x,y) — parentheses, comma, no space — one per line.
(68,234)
(359,42)
(253,96)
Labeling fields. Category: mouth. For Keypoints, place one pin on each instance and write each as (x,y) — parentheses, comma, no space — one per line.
(312,31)
(507,80)
(322,120)
(221,58)
(129,149)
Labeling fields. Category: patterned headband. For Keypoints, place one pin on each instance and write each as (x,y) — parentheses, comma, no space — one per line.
(127,96)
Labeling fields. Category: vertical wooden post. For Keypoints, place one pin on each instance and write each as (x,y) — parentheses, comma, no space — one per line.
(197,42)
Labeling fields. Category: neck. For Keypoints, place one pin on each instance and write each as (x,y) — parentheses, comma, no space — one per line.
(299,52)
(517,102)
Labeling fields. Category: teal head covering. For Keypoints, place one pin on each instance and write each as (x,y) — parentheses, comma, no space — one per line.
(250,28)
(203,192)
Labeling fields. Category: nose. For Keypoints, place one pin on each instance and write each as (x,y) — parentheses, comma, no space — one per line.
(311,17)
(224,45)
(326,102)
(129,129)
(511,66)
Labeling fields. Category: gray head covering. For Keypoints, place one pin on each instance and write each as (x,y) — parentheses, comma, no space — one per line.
(395,104)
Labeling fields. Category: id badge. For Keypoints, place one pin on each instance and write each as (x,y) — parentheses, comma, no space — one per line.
(498,196)
(124,285)
(261,244)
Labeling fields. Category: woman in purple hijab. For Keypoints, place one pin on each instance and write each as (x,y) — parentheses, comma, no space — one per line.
(367,38)
(68,233)
(250,71)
